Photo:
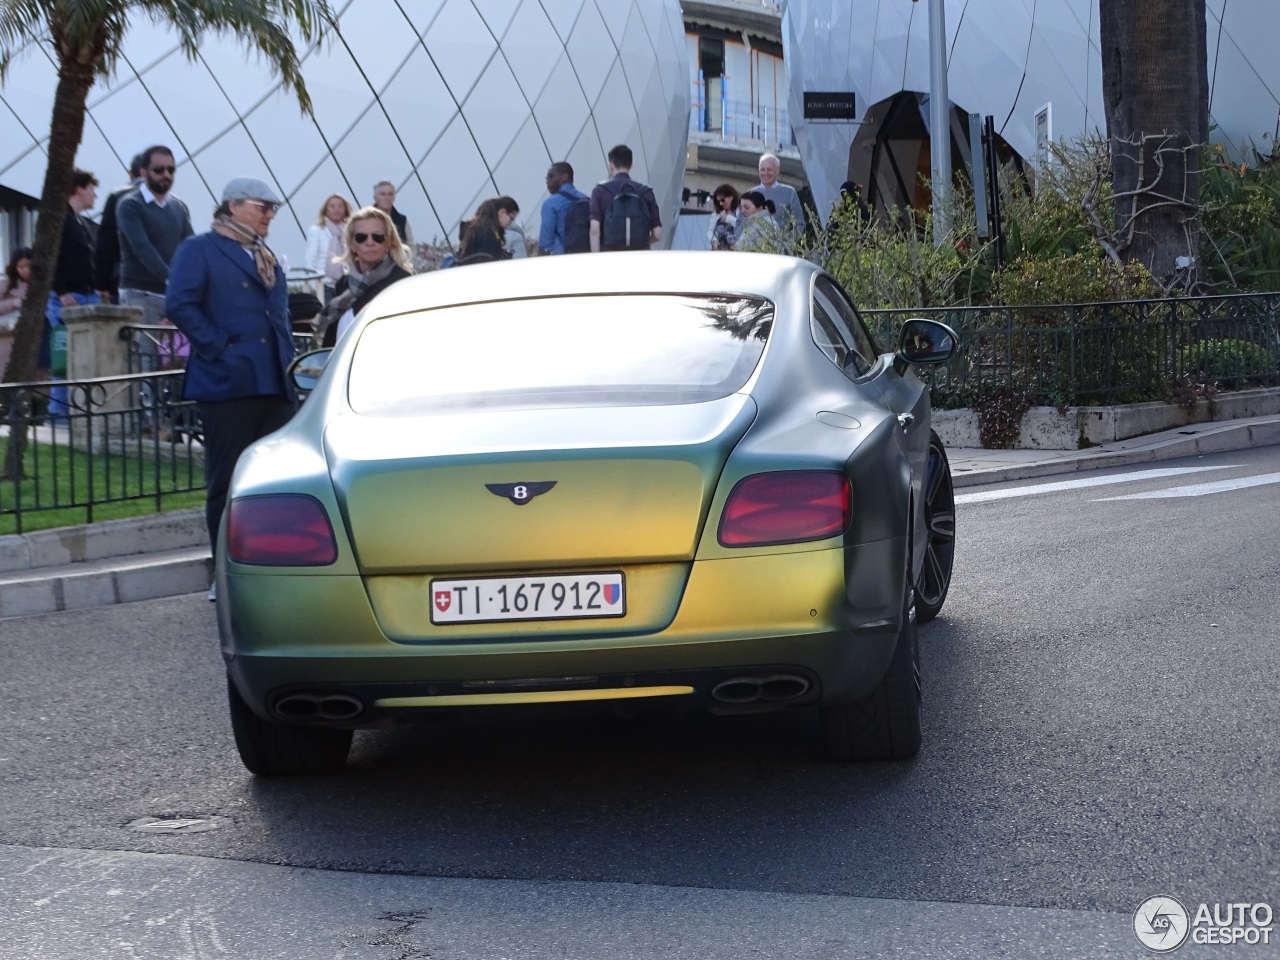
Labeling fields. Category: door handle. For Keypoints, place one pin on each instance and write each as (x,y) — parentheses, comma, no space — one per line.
(906,419)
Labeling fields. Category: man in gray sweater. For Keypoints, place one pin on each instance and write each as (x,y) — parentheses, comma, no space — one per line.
(151,224)
(789,210)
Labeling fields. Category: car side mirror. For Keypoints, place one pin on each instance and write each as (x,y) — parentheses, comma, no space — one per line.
(305,370)
(925,341)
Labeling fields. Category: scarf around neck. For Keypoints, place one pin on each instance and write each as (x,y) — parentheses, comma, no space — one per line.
(248,238)
(357,284)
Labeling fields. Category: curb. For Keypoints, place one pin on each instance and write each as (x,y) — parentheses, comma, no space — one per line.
(100,564)
(107,582)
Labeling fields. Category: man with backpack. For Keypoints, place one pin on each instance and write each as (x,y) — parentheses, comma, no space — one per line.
(566,214)
(624,212)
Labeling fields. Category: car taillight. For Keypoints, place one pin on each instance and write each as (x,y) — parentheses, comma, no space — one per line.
(280,530)
(786,507)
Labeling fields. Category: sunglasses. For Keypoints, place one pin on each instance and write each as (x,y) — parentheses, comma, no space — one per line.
(375,237)
(266,205)
(163,169)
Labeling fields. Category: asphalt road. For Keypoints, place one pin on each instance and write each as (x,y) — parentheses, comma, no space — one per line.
(1100,727)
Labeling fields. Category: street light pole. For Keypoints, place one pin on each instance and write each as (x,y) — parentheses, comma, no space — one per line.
(939,121)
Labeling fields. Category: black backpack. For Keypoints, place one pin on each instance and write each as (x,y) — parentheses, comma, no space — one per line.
(577,225)
(626,220)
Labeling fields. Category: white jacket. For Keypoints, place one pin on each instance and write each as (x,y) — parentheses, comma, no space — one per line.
(316,259)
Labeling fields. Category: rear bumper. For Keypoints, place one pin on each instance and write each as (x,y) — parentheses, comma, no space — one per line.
(828,616)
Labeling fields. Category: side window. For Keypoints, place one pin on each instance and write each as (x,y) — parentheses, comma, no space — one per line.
(835,320)
(862,339)
(826,334)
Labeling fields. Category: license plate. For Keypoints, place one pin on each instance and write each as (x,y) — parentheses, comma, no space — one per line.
(569,596)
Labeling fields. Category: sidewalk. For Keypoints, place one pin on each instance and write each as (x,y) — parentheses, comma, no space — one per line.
(165,555)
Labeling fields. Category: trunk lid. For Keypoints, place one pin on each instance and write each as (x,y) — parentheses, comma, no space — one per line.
(442,492)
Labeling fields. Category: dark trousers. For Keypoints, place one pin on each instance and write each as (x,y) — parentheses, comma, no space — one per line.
(230,426)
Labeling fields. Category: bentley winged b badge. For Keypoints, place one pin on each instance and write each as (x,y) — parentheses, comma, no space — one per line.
(520,493)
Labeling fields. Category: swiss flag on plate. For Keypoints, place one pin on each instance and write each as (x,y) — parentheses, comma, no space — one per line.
(443,599)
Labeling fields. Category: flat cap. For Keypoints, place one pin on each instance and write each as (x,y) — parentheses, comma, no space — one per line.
(249,188)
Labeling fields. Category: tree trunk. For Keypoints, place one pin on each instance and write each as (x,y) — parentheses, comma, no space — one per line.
(65,131)
(1156,95)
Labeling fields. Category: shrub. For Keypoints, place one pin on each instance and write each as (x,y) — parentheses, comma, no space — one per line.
(1226,363)
(893,262)
(1240,245)
(1075,278)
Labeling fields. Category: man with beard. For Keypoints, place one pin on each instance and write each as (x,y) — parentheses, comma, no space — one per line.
(150,223)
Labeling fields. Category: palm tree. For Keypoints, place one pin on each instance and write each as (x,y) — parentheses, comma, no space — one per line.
(1155,88)
(86,38)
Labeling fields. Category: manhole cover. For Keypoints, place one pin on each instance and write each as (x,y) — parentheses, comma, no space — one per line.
(175,824)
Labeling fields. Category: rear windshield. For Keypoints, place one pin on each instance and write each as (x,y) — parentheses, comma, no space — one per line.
(615,350)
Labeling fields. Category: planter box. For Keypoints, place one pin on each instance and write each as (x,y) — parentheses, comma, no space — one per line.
(1048,428)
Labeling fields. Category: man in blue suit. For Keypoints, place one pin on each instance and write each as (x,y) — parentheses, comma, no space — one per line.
(228,296)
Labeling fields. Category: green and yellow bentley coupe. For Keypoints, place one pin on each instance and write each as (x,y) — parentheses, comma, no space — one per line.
(637,478)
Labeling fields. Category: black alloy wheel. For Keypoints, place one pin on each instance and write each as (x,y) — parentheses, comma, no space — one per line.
(940,523)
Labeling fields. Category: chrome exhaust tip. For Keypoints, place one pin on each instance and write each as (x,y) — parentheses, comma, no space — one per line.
(784,686)
(738,690)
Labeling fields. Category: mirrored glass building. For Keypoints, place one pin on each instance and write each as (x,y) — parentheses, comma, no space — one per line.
(451,100)
(1035,68)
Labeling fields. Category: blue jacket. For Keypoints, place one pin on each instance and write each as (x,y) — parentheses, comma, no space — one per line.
(554,210)
(241,340)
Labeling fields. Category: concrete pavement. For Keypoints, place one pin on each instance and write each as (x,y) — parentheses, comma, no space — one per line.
(163,555)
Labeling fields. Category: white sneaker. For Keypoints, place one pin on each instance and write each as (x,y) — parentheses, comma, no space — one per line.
(213,592)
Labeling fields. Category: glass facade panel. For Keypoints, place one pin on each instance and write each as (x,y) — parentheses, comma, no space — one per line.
(483,95)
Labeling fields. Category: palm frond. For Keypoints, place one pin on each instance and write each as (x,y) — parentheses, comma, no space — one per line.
(268,27)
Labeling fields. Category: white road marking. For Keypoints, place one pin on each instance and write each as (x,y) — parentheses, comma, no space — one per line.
(1155,474)
(1200,489)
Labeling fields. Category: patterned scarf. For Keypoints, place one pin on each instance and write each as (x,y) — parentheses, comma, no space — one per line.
(357,284)
(248,238)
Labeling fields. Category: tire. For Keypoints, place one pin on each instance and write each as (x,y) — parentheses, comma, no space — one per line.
(885,724)
(940,526)
(279,750)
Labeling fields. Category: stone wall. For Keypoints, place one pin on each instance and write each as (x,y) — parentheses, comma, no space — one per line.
(1073,428)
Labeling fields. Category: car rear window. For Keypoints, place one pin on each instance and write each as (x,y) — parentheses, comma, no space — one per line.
(615,350)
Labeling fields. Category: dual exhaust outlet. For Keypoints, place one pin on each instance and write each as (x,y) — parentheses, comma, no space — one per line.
(778,688)
(319,706)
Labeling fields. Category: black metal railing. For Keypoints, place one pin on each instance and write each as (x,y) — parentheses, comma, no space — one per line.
(94,442)
(105,440)
(1098,353)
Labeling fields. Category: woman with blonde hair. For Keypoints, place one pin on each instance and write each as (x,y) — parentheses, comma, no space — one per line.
(325,246)
(375,259)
